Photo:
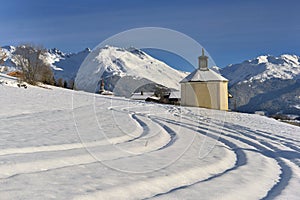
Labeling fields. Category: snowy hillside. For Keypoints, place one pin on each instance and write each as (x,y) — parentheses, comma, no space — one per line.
(124,70)
(267,83)
(8,80)
(64,144)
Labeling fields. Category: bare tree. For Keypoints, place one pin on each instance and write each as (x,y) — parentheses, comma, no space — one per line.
(71,84)
(60,82)
(65,84)
(32,64)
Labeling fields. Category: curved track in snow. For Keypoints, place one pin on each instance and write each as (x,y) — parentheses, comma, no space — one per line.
(84,146)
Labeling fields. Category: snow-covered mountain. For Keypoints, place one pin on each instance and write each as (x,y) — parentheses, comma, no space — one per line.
(9,64)
(266,83)
(124,71)
(64,65)
(53,55)
(262,68)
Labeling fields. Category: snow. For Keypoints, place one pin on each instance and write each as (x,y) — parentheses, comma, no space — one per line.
(7,77)
(203,76)
(263,68)
(216,69)
(64,65)
(291,58)
(141,96)
(8,80)
(9,64)
(113,61)
(262,59)
(175,95)
(297,106)
(63,144)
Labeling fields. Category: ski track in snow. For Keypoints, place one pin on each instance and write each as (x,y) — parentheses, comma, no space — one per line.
(113,148)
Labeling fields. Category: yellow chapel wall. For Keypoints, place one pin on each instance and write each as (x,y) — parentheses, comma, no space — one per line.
(212,95)
(224,95)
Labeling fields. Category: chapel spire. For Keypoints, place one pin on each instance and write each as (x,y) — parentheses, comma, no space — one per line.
(203,61)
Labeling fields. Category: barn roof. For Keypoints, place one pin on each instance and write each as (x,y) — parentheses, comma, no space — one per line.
(203,76)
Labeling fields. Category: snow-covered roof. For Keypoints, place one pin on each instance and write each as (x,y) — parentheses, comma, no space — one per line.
(203,76)
(5,76)
(139,96)
(175,95)
(153,98)
(106,92)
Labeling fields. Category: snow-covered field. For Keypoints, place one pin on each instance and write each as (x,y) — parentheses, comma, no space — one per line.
(61,144)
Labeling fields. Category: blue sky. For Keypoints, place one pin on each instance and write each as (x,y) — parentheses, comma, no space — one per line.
(232,31)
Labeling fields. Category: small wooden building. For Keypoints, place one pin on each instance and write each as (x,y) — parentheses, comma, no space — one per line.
(204,88)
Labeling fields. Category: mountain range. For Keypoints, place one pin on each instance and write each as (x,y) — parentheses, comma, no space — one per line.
(266,83)
(64,65)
